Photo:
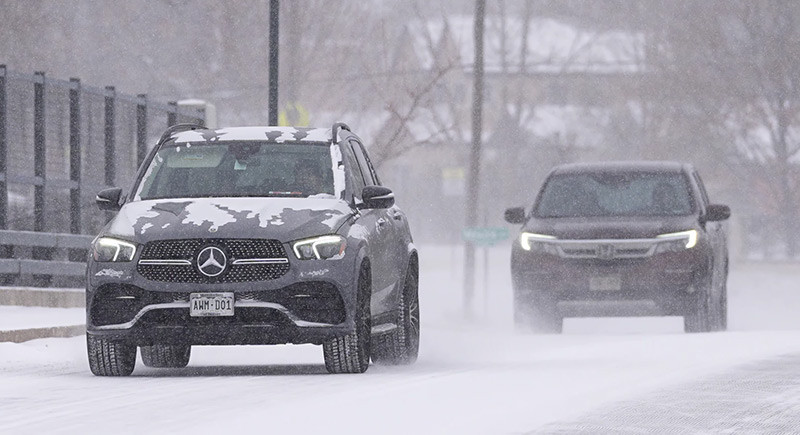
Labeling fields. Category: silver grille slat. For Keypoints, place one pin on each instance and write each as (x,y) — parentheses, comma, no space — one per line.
(261,261)
(166,262)
(605,248)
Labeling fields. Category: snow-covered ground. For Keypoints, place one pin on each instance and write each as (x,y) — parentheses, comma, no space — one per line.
(473,376)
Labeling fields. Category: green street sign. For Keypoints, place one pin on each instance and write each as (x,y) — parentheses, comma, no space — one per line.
(485,236)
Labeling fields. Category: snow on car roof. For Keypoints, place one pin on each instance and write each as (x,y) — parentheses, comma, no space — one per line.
(271,134)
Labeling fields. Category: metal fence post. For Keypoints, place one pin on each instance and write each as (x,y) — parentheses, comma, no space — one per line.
(274,45)
(39,170)
(75,155)
(75,163)
(141,129)
(6,251)
(172,115)
(38,151)
(3,152)
(110,137)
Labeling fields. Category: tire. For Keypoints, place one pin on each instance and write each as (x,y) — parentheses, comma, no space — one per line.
(351,353)
(699,318)
(539,315)
(723,319)
(166,356)
(110,357)
(401,345)
(723,300)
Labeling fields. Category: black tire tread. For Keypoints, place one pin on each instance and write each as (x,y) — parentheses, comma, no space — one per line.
(345,354)
(390,348)
(539,316)
(395,347)
(166,356)
(110,358)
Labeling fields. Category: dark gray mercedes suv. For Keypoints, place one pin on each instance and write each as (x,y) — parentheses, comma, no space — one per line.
(620,239)
(253,235)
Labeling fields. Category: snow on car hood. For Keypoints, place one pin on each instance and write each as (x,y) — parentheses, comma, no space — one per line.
(284,219)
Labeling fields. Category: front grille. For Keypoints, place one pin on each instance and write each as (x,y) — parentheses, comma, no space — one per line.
(605,249)
(235,249)
(245,316)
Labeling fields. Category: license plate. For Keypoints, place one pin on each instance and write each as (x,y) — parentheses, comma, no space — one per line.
(210,304)
(608,283)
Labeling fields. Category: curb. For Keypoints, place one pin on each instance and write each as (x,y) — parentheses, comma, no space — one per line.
(22,335)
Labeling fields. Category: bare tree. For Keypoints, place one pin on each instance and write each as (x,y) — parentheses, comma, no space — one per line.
(731,67)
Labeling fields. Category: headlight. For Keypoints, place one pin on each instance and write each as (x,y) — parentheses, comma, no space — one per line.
(320,248)
(108,249)
(538,242)
(673,242)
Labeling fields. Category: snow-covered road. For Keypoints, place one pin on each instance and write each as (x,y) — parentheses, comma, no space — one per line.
(472,377)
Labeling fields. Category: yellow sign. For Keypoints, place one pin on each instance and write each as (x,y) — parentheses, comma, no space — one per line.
(293,115)
(454,182)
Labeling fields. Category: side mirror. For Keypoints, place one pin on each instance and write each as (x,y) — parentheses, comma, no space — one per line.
(377,197)
(108,199)
(717,212)
(515,215)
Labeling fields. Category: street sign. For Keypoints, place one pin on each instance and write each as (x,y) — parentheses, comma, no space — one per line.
(485,236)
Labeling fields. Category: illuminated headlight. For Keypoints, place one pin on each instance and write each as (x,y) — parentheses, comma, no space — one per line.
(674,242)
(108,249)
(320,248)
(538,242)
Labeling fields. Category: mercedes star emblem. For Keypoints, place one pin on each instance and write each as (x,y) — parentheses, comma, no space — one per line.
(211,261)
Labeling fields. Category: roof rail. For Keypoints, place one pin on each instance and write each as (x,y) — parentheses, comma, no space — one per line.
(178,128)
(335,130)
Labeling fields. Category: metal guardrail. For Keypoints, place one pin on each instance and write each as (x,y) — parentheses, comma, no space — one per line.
(19,266)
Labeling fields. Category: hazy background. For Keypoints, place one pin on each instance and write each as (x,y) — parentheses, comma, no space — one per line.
(714,83)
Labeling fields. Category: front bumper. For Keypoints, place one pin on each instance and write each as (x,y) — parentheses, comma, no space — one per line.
(661,284)
(311,303)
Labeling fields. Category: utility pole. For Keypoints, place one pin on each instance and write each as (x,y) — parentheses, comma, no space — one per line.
(274,42)
(474,178)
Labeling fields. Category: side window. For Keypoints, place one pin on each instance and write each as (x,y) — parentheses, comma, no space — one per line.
(371,168)
(362,163)
(354,177)
(702,188)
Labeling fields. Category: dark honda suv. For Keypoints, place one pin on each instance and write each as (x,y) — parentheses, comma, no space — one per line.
(253,235)
(620,239)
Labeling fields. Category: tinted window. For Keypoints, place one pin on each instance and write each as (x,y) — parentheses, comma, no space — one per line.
(615,194)
(702,187)
(238,169)
(354,174)
(363,164)
(375,178)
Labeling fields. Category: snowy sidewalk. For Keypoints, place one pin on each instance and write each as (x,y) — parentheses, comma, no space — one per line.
(18,324)
(32,313)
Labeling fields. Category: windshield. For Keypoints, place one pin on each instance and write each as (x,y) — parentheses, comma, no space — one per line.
(615,194)
(231,169)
